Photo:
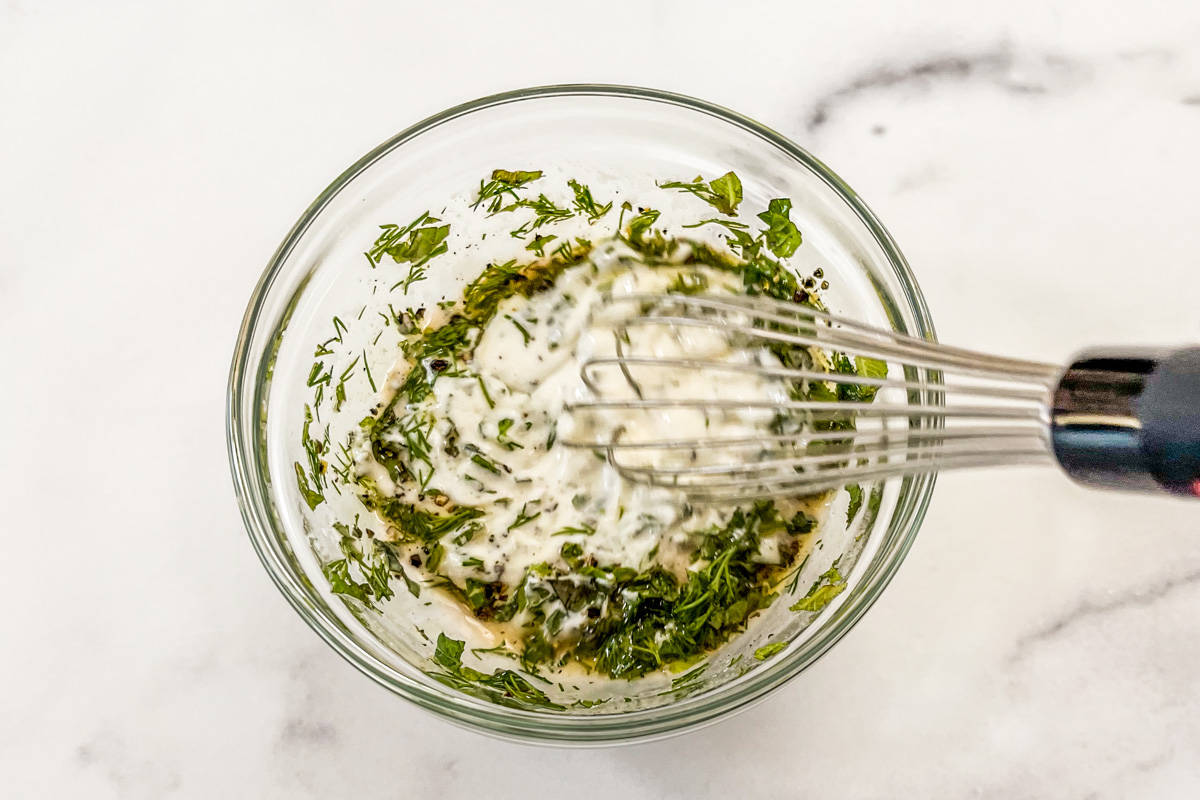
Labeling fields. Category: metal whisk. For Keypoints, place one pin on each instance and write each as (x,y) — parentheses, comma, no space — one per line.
(830,401)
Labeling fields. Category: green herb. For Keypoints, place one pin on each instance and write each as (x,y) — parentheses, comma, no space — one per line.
(688,283)
(782,236)
(568,252)
(314,449)
(367,367)
(480,459)
(768,650)
(523,518)
(434,559)
(520,327)
(485,462)
(415,244)
(828,586)
(505,687)
(874,500)
(584,530)
(418,525)
(545,212)
(733,226)
(467,535)
(502,428)
(723,193)
(340,581)
(792,579)
(585,204)
(856,500)
(372,567)
(483,388)
(314,375)
(865,367)
(688,679)
(311,496)
(640,226)
(870,367)
(501,649)
(650,619)
(571,552)
(503,183)
(475,592)
(414,588)
(339,396)
(538,244)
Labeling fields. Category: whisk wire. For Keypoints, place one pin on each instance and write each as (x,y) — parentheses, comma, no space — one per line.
(946,408)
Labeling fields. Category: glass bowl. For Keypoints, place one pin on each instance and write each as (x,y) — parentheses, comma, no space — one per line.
(319,272)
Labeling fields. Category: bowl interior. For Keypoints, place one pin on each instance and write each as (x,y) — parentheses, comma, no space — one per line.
(617,137)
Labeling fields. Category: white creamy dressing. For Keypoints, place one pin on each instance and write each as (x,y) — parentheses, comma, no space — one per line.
(529,358)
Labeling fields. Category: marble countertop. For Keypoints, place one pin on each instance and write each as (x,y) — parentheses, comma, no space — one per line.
(1038,165)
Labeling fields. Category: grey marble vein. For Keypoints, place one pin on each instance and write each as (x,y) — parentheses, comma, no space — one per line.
(302,731)
(129,773)
(1089,609)
(998,66)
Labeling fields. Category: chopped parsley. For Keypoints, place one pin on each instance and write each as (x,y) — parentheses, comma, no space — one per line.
(415,244)
(768,650)
(821,593)
(505,687)
(723,193)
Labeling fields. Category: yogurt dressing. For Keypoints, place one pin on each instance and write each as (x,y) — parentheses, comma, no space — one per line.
(536,493)
(528,359)
(543,550)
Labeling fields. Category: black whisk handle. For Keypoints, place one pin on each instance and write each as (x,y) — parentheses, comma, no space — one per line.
(1131,420)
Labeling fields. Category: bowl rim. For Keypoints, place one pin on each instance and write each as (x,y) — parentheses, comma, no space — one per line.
(249,376)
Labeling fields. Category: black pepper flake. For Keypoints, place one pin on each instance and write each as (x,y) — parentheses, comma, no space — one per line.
(818,273)
(593,612)
(415,560)
(800,296)
(439,365)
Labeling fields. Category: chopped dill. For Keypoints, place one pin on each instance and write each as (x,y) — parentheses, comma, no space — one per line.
(524,331)
(586,204)
(367,369)
(503,183)
(538,244)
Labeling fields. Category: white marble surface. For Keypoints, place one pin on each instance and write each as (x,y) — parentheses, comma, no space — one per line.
(1038,164)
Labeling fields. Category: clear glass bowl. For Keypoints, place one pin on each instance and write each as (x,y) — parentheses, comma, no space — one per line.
(319,271)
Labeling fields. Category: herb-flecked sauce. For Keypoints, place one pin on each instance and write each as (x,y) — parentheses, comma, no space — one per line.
(465,459)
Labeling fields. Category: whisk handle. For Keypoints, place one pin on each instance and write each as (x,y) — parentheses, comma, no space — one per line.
(1131,420)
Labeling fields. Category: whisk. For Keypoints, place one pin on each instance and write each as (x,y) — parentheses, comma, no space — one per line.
(849,402)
